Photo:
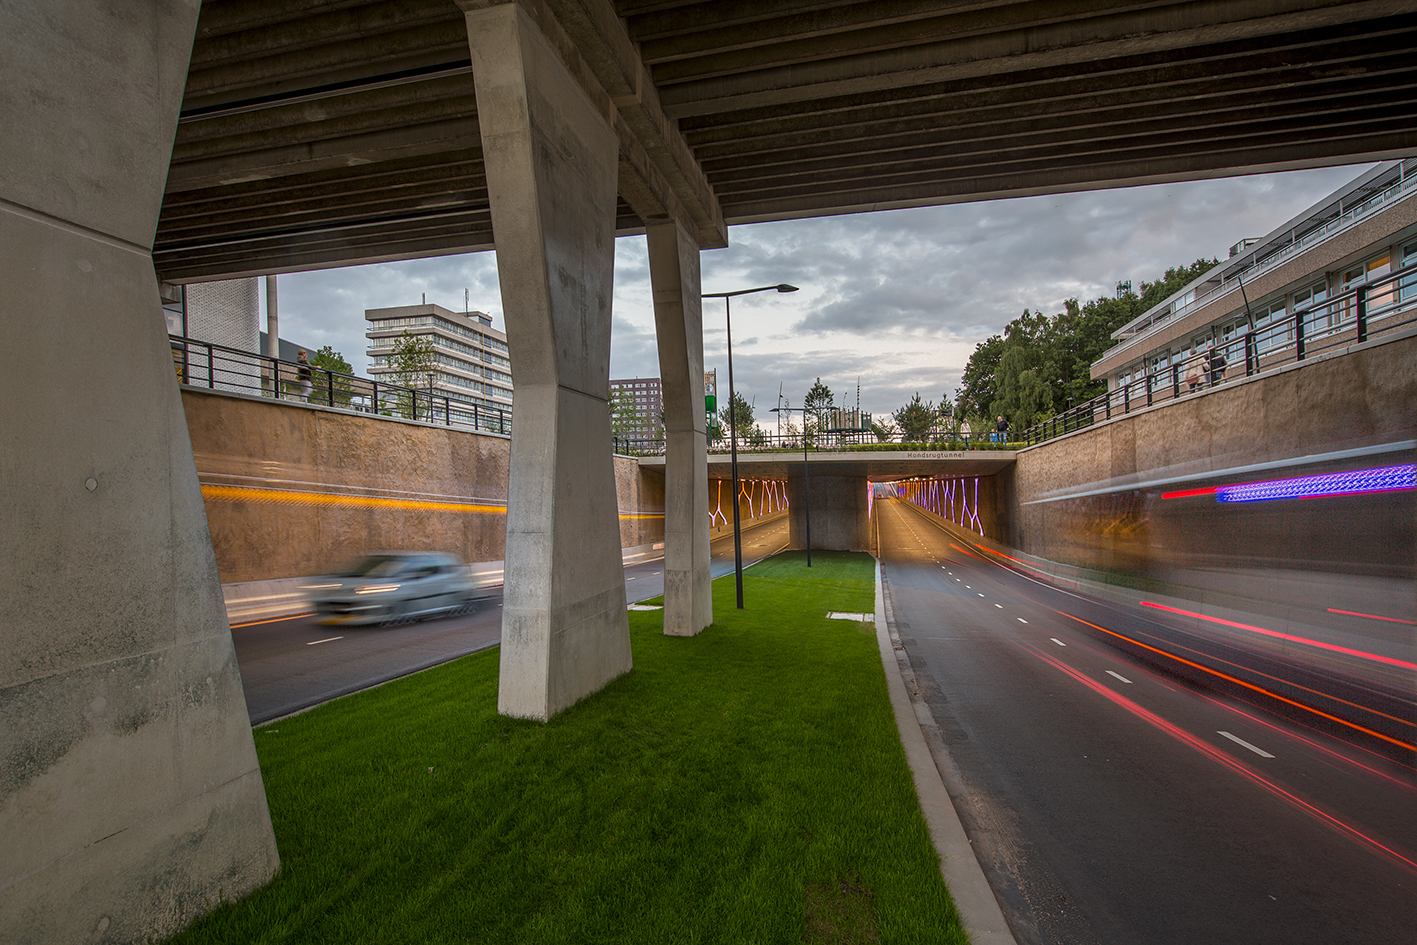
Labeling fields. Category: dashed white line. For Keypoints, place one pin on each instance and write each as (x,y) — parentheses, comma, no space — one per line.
(1021,620)
(1057,641)
(1244,744)
(1119,676)
(326,640)
(981,595)
(1000,606)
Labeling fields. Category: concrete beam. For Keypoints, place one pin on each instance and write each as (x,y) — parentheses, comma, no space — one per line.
(131,800)
(552,162)
(654,153)
(964,46)
(678,317)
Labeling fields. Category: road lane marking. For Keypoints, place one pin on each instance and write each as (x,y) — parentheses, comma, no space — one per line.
(1057,641)
(1244,744)
(326,640)
(1119,676)
(1000,606)
(1021,620)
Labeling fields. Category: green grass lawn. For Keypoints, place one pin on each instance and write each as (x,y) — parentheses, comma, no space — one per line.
(744,785)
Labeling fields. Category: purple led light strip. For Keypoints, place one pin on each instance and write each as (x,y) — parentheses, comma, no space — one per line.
(1383,479)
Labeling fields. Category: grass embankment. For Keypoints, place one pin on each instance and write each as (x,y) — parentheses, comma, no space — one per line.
(744,785)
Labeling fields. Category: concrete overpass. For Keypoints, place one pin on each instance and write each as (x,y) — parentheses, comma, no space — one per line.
(979,483)
(237,136)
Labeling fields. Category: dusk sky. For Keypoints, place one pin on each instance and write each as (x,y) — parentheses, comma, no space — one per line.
(898,299)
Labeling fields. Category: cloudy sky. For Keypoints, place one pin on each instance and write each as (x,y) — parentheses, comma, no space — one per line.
(896,300)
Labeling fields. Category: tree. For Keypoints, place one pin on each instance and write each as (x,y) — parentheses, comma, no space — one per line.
(1057,354)
(885,432)
(741,415)
(412,362)
(328,359)
(915,420)
(818,404)
(624,417)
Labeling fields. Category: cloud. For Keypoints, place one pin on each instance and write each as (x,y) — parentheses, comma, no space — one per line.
(898,299)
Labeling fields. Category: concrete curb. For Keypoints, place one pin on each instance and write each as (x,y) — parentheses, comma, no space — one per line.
(965,878)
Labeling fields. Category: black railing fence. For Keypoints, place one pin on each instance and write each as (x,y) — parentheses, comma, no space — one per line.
(938,440)
(217,367)
(1380,307)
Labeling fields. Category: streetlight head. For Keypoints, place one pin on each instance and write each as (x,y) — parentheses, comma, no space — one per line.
(787,288)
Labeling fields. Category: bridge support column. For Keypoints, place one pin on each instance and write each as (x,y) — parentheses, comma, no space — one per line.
(131,801)
(839,508)
(678,316)
(552,158)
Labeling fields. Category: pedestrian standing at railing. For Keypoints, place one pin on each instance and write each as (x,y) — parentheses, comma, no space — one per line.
(1215,364)
(304,374)
(1195,374)
(1001,431)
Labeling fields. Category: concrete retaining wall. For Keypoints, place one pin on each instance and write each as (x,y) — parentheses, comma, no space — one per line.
(1356,398)
(294,489)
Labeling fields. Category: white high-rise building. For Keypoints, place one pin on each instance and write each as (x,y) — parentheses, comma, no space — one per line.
(472,366)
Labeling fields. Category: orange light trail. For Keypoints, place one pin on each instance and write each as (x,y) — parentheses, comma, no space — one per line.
(1251,686)
(1223,758)
(336,500)
(291,497)
(257,623)
(1375,657)
(1315,745)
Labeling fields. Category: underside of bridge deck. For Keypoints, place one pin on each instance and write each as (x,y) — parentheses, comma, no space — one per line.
(331,132)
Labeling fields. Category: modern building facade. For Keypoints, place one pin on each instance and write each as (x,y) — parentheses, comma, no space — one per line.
(472,366)
(1344,267)
(648,396)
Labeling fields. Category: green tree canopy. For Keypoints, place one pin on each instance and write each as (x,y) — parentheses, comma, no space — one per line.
(327,358)
(331,360)
(915,420)
(1056,353)
(741,414)
(412,361)
(624,417)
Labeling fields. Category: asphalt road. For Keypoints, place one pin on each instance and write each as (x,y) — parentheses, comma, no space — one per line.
(1113,802)
(294,663)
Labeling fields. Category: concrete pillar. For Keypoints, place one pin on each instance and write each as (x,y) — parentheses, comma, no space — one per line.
(552,161)
(840,511)
(678,317)
(131,800)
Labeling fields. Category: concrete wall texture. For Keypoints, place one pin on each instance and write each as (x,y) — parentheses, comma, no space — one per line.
(131,800)
(1364,396)
(294,489)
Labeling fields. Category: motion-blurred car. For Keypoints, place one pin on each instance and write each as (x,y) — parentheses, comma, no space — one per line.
(394,587)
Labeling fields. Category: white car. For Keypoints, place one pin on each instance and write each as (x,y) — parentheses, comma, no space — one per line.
(391,587)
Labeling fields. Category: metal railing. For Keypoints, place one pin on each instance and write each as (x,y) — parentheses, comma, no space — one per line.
(1399,190)
(939,441)
(1381,307)
(218,367)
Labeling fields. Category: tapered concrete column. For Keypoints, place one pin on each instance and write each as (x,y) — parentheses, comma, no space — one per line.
(552,160)
(131,800)
(678,319)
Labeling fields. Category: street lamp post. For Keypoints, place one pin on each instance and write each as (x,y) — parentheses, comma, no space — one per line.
(806,484)
(732,424)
